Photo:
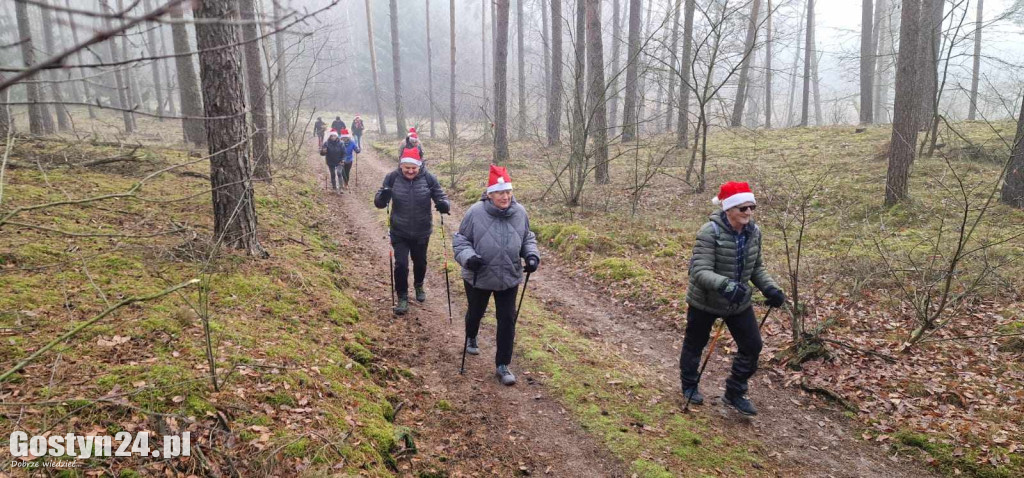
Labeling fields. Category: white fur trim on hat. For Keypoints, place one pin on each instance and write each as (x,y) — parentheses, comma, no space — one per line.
(501,185)
(332,133)
(411,161)
(737,199)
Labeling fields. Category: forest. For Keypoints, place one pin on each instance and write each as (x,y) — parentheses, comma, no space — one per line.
(178,260)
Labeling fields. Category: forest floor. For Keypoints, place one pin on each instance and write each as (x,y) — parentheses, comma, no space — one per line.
(598,392)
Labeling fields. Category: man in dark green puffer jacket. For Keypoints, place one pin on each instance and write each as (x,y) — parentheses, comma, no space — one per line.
(726,258)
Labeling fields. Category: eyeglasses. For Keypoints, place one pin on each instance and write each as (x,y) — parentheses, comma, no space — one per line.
(747,208)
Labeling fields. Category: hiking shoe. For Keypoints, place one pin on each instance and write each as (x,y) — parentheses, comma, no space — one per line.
(693,395)
(403,306)
(506,375)
(471,347)
(421,295)
(741,403)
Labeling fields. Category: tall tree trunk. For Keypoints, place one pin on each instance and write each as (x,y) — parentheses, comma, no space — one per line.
(131,90)
(883,61)
(686,83)
(158,87)
(748,51)
(5,116)
(768,66)
(78,57)
(793,73)
(63,118)
(123,99)
(483,61)
(501,82)
(629,107)
(595,73)
(520,46)
(976,70)
(283,108)
(396,70)
(452,130)
(546,48)
(555,95)
(816,85)
(644,71)
(257,90)
(613,87)
(928,69)
(670,113)
(1013,187)
(167,76)
(808,61)
(867,62)
(904,125)
(430,74)
(382,127)
(220,67)
(578,164)
(188,86)
(37,113)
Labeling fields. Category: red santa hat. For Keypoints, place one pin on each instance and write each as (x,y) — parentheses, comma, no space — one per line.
(332,132)
(499,180)
(732,194)
(407,159)
(415,138)
(344,133)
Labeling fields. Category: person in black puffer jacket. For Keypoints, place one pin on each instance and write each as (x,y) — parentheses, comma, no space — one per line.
(409,189)
(334,152)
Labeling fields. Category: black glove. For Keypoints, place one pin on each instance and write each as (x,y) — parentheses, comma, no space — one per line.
(734,292)
(443,207)
(532,263)
(774,297)
(475,263)
(385,194)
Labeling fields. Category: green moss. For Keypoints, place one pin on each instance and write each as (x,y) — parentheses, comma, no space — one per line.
(358,353)
(444,405)
(343,311)
(298,448)
(280,398)
(649,469)
(618,269)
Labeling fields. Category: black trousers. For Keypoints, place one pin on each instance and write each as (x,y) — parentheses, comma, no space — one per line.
(335,170)
(403,249)
(505,304)
(346,170)
(744,330)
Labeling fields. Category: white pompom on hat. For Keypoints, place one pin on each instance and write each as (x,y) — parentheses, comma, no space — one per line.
(732,194)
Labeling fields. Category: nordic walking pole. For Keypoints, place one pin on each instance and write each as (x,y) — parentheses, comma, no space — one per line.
(391,257)
(765,318)
(711,350)
(447,283)
(521,297)
(465,345)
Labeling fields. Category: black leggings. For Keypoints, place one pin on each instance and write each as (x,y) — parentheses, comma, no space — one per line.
(346,170)
(403,249)
(744,330)
(505,303)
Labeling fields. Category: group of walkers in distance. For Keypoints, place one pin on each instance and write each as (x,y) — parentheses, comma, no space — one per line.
(497,250)
(339,148)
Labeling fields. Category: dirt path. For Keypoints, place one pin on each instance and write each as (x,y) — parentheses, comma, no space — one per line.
(525,427)
(472,425)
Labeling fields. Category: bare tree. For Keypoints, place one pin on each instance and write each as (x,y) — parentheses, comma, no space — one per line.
(452,130)
(1013,187)
(904,124)
(396,70)
(686,81)
(38,113)
(430,73)
(975,71)
(669,116)
(381,125)
(257,90)
(598,107)
(220,67)
(546,47)
(483,61)
(158,89)
(613,86)
(768,66)
(928,60)
(867,62)
(555,95)
(188,86)
(808,61)
(63,118)
(283,110)
(78,56)
(741,86)
(501,82)
(521,123)
(883,33)
(630,108)
(122,89)
(169,97)
(793,74)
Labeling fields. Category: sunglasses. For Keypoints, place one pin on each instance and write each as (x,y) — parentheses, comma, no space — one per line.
(747,208)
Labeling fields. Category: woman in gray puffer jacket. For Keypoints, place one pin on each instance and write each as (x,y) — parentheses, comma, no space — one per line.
(493,239)
(727,257)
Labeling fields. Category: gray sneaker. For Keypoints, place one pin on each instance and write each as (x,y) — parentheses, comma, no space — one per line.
(403,306)
(421,295)
(471,347)
(506,375)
